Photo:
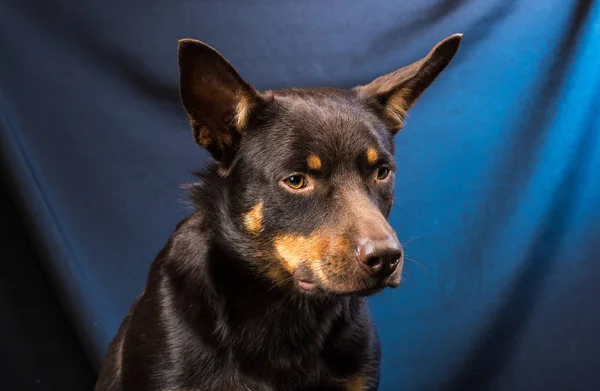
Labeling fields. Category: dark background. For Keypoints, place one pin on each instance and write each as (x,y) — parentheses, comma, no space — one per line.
(498,192)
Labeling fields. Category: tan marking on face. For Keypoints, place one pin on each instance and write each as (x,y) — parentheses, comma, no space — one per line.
(314,162)
(372,155)
(318,270)
(277,274)
(294,249)
(356,384)
(311,250)
(253,220)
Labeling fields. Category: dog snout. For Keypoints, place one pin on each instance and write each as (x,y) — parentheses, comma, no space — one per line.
(379,256)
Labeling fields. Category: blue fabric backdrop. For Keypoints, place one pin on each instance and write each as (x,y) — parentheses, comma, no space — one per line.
(499,166)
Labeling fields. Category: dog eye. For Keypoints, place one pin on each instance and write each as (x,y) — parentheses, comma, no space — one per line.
(296,182)
(383,173)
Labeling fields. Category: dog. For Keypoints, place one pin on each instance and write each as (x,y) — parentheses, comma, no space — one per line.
(264,286)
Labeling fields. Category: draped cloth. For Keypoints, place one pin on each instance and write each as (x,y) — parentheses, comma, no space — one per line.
(498,182)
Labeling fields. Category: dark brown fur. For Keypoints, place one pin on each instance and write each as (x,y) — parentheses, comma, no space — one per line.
(263,287)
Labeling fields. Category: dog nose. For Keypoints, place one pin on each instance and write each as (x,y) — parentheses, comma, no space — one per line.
(379,256)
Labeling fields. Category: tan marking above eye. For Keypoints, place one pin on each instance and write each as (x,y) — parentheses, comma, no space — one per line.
(372,155)
(314,162)
(253,220)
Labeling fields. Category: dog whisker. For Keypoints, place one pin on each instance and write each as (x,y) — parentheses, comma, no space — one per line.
(421,263)
(405,244)
(408,276)
(394,205)
(423,267)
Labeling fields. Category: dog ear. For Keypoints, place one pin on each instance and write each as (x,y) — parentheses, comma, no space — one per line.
(217,100)
(399,90)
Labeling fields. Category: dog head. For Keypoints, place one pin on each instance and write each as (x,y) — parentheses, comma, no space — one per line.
(310,172)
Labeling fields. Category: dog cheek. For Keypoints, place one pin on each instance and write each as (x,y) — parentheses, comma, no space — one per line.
(292,250)
(253,220)
(289,250)
(277,274)
(388,207)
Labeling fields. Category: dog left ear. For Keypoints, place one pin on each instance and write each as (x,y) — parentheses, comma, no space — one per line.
(217,100)
(399,90)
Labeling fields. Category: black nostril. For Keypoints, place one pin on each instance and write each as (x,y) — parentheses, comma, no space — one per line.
(375,264)
(395,257)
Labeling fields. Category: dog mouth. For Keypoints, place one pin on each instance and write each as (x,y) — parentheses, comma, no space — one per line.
(307,286)
(305,279)
(307,282)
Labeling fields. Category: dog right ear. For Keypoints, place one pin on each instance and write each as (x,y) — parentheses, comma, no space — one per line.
(217,100)
(398,91)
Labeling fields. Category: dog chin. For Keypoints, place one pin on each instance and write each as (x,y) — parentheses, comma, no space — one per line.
(314,289)
(393,281)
